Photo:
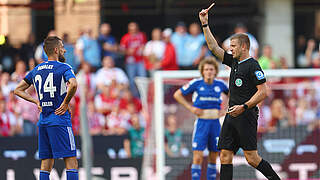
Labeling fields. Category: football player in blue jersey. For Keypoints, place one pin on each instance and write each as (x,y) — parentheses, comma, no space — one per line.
(206,106)
(50,80)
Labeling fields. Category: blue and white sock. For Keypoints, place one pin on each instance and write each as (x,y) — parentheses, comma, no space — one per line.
(195,171)
(211,172)
(72,174)
(44,175)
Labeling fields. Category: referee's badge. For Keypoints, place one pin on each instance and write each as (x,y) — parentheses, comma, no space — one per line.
(259,75)
(238,82)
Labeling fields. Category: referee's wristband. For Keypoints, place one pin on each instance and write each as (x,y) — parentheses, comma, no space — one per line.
(245,106)
(204,25)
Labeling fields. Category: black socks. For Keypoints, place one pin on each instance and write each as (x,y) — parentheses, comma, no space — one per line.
(226,172)
(265,168)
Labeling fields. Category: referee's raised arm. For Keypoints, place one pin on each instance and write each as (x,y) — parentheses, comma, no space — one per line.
(211,41)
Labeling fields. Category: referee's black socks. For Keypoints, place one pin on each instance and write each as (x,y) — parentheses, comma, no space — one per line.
(265,168)
(226,172)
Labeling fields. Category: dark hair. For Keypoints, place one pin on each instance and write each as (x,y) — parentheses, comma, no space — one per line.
(208,60)
(50,43)
(242,38)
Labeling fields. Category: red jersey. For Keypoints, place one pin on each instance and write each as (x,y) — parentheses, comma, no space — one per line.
(169,61)
(136,42)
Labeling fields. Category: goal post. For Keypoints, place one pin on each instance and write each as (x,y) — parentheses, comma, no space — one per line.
(160,76)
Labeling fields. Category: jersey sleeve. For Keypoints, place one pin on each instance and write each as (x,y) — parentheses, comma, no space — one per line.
(257,74)
(28,78)
(225,88)
(227,59)
(189,87)
(68,74)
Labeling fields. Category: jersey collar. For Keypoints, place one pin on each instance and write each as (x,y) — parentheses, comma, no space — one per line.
(244,60)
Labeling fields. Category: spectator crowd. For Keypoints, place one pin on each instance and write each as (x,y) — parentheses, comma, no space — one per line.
(108,68)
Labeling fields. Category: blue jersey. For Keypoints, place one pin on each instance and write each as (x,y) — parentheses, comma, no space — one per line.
(49,79)
(205,96)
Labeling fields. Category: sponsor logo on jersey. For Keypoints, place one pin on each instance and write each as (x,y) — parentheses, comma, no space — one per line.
(217,89)
(259,75)
(201,89)
(238,82)
(209,99)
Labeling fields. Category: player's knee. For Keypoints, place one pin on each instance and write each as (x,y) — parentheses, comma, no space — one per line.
(213,157)
(71,163)
(225,158)
(197,158)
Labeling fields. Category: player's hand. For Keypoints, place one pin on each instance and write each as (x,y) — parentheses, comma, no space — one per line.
(196,111)
(62,109)
(236,110)
(39,106)
(203,16)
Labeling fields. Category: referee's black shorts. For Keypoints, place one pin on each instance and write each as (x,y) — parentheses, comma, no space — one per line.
(240,131)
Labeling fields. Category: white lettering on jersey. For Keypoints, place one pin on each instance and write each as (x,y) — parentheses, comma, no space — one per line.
(49,103)
(46,66)
(208,99)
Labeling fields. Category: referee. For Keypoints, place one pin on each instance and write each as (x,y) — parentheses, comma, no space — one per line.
(247,86)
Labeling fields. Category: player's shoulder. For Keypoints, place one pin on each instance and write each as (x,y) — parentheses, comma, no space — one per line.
(64,65)
(253,62)
(193,82)
(38,67)
(220,82)
(196,81)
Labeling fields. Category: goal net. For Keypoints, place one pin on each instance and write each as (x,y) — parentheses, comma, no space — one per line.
(288,126)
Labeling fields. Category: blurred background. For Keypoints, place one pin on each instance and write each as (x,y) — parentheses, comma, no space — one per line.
(110,43)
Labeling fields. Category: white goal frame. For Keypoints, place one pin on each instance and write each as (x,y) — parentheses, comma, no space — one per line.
(160,76)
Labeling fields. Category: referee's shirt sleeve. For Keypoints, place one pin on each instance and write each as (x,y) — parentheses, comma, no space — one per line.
(257,74)
(227,59)
(28,78)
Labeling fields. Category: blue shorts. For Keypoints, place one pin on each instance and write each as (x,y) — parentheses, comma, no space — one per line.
(206,134)
(56,142)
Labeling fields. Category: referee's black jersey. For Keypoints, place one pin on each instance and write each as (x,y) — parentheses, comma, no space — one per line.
(244,77)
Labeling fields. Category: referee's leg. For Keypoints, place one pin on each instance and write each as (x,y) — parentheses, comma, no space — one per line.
(226,171)
(263,166)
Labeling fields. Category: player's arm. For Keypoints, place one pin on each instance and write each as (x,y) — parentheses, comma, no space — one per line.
(259,96)
(211,41)
(20,91)
(180,98)
(72,88)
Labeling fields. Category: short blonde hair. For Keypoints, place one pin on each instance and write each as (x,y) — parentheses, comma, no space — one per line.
(208,60)
(242,39)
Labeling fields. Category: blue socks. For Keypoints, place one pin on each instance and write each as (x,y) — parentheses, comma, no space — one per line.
(72,174)
(44,175)
(211,172)
(196,171)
